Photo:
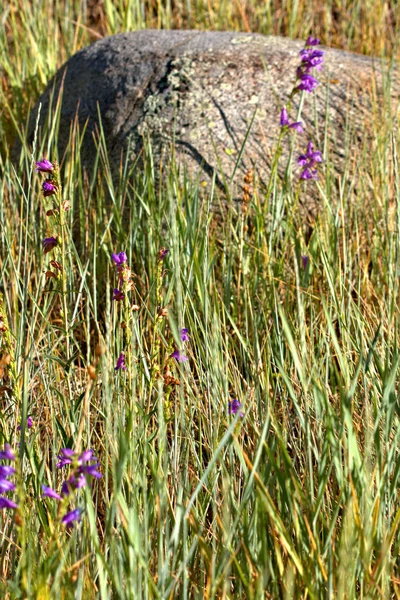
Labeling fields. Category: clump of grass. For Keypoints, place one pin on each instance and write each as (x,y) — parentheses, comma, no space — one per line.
(249,447)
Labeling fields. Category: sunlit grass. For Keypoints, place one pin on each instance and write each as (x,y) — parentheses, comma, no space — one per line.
(299,498)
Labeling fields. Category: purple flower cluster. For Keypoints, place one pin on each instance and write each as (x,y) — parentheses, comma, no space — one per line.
(310,59)
(83,468)
(177,355)
(6,471)
(49,188)
(308,161)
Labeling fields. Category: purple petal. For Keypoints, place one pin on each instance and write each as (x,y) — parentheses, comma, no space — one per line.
(48,492)
(121,363)
(71,516)
(6,486)
(7,453)
(44,166)
(284,120)
(49,243)
(310,41)
(29,424)
(65,489)
(309,174)
(118,295)
(66,456)
(86,456)
(120,258)
(234,407)
(298,126)
(6,503)
(184,335)
(49,188)
(92,471)
(6,471)
(179,357)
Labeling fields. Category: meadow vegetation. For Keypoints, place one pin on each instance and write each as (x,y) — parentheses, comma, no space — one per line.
(248,440)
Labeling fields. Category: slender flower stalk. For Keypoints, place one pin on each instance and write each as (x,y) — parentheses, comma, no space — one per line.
(57,242)
(83,468)
(6,471)
(160,314)
(121,294)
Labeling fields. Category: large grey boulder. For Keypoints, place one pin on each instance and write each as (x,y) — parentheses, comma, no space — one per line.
(202,90)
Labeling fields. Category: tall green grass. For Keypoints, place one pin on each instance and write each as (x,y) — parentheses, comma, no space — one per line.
(297,499)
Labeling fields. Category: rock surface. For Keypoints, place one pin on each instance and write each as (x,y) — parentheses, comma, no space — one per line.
(202,91)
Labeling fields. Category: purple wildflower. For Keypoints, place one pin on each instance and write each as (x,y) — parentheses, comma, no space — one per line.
(308,161)
(234,406)
(121,363)
(305,260)
(48,492)
(49,187)
(66,456)
(49,243)
(6,503)
(310,59)
(118,295)
(179,356)
(308,83)
(29,424)
(284,122)
(71,516)
(184,335)
(44,166)
(120,258)
(7,453)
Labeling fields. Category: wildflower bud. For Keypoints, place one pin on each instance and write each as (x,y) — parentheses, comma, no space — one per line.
(50,213)
(5,360)
(92,372)
(18,519)
(49,187)
(50,275)
(163,312)
(66,204)
(248,178)
(56,265)
(135,307)
(123,325)
(3,328)
(162,253)
(99,350)
(49,243)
